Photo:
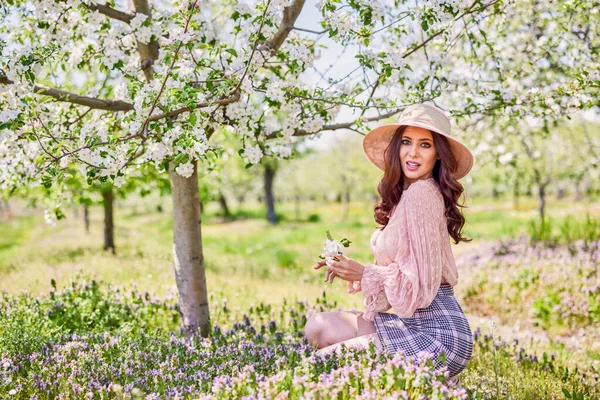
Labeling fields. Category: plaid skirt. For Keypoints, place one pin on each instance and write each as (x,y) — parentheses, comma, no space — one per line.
(440,327)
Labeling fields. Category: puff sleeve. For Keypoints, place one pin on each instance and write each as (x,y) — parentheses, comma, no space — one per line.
(412,280)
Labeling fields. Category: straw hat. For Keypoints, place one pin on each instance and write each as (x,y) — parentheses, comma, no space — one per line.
(423,116)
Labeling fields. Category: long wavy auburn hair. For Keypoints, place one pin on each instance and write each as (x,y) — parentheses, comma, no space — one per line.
(390,187)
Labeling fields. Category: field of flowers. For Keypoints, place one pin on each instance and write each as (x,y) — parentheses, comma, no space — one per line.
(554,290)
(78,336)
(92,340)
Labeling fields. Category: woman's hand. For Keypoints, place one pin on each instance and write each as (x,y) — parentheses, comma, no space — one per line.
(346,268)
(330,275)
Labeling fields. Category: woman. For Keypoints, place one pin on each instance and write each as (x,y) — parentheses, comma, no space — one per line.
(414,271)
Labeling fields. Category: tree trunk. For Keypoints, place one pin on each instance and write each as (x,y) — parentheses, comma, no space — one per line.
(86,217)
(224,206)
(495,192)
(577,191)
(345,197)
(297,204)
(240,199)
(542,200)
(516,194)
(109,228)
(269,178)
(187,241)
(7,208)
(346,204)
(187,252)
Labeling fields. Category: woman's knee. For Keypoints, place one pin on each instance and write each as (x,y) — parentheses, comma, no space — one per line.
(327,328)
(315,325)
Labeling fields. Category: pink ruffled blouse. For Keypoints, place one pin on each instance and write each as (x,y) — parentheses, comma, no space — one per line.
(413,255)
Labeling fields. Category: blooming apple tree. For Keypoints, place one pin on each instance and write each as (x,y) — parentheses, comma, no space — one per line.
(109,86)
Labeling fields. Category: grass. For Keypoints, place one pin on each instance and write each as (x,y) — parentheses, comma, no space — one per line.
(249,262)
(33,252)
(14,232)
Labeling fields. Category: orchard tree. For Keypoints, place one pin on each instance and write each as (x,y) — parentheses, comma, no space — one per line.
(534,49)
(238,181)
(556,153)
(351,173)
(301,178)
(79,193)
(155,81)
(229,178)
(271,167)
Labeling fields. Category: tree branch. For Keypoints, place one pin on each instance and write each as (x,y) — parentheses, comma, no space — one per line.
(467,12)
(324,100)
(375,86)
(470,10)
(290,14)
(148,52)
(262,23)
(116,105)
(295,28)
(333,127)
(111,12)
(175,113)
(92,102)
(4,79)
(63,95)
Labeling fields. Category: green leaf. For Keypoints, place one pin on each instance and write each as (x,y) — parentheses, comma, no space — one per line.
(59,214)
(178,158)
(47,181)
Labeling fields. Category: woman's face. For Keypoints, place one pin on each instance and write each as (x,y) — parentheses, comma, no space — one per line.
(417,154)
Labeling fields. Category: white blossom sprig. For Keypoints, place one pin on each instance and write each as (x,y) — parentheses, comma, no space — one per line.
(333,248)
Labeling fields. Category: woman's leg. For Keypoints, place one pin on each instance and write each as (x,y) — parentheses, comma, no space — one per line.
(361,341)
(329,328)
